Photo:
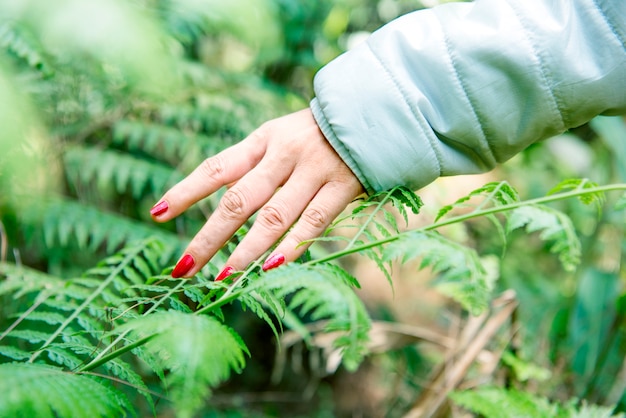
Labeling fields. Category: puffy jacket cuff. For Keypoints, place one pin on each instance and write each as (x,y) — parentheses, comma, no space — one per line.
(384,141)
(343,152)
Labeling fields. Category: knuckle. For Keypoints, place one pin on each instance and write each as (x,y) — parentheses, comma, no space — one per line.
(273,217)
(233,204)
(317,217)
(263,132)
(213,167)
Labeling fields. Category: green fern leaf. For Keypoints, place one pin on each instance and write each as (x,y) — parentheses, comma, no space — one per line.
(403,197)
(125,171)
(14,353)
(199,351)
(251,303)
(461,273)
(554,226)
(59,218)
(51,318)
(124,371)
(22,280)
(18,41)
(324,291)
(62,357)
(494,193)
(502,403)
(176,304)
(30,335)
(581,184)
(35,390)
(493,402)
(595,411)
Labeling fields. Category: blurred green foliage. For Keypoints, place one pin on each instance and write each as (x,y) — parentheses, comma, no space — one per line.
(105,104)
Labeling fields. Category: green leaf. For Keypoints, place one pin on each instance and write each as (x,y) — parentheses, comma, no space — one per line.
(199,351)
(494,193)
(461,273)
(525,370)
(493,402)
(581,184)
(324,291)
(14,352)
(35,390)
(554,226)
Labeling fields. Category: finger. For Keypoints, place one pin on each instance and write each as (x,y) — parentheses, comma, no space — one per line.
(236,206)
(327,204)
(222,169)
(274,219)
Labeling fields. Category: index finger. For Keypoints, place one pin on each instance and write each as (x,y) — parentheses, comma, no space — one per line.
(214,172)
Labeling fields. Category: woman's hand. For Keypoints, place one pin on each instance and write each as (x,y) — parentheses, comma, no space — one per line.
(288,170)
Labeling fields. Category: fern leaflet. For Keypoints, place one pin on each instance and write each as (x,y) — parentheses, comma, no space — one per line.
(198,350)
(492,402)
(42,391)
(494,193)
(462,274)
(321,291)
(555,227)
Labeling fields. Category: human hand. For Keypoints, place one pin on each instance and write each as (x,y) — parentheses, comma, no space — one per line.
(288,170)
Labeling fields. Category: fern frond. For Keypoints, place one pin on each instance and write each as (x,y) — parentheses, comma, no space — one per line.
(78,313)
(60,220)
(256,306)
(21,280)
(18,41)
(215,119)
(374,219)
(493,402)
(14,353)
(501,403)
(164,142)
(494,193)
(323,291)
(36,390)
(598,198)
(554,226)
(183,343)
(127,172)
(461,273)
(247,20)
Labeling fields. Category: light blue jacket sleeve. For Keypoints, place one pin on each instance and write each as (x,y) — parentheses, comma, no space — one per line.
(460,87)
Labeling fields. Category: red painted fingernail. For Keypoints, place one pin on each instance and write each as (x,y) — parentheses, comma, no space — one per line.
(228,270)
(273,261)
(159,208)
(183,266)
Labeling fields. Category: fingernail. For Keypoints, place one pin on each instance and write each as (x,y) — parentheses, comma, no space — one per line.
(183,266)
(228,270)
(273,261)
(159,208)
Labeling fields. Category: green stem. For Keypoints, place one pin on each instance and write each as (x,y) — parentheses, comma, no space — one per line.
(103,359)
(101,355)
(476,214)
(369,219)
(230,294)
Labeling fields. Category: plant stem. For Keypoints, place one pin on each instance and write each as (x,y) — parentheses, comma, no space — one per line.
(101,355)
(100,360)
(476,214)
(369,219)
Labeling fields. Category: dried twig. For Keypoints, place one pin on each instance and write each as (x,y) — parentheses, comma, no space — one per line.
(475,337)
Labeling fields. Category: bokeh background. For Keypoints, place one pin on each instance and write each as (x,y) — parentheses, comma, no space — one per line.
(105,104)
